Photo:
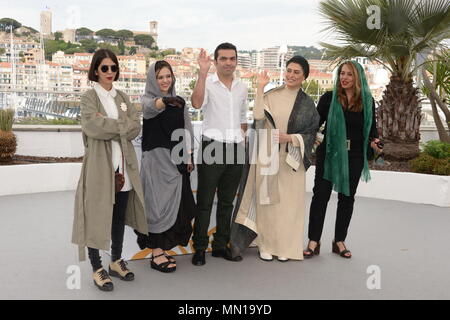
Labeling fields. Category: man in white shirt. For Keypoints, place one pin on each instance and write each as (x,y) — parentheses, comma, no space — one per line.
(223,99)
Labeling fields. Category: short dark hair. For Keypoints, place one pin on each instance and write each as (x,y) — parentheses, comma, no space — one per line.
(224,46)
(97,59)
(302,62)
(164,64)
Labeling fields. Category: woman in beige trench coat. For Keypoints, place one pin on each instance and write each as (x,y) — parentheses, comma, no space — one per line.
(109,123)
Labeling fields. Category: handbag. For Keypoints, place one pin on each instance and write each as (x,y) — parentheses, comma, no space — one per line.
(119,178)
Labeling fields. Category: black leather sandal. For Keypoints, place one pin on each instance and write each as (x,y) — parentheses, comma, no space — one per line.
(162,267)
(170,258)
(342,253)
(310,253)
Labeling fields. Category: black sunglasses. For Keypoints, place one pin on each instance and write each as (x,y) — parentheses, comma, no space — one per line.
(105,68)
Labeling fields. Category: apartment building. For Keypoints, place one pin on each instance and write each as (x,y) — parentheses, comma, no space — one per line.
(324,79)
(134,63)
(5,75)
(245,60)
(132,84)
(270,58)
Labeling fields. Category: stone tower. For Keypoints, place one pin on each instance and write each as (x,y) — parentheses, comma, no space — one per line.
(46,23)
(154,31)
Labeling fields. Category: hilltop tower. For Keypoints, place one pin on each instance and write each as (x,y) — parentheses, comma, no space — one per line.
(46,23)
(154,31)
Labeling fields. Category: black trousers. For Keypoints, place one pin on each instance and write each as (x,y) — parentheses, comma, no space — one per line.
(321,195)
(223,178)
(117,232)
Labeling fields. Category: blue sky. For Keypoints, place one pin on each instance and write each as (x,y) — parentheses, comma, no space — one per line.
(249,24)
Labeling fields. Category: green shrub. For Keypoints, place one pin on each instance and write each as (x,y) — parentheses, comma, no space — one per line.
(442,167)
(424,163)
(437,149)
(6,119)
(427,164)
(63,121)
(37,121)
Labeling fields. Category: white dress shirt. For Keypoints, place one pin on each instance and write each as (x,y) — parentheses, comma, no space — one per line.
(109,104)
(224,110)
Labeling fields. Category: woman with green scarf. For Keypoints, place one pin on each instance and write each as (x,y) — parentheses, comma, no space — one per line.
(349,112)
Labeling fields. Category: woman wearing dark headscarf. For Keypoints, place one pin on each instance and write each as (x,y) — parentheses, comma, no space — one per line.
(166,165)
(349,112)
(273,201)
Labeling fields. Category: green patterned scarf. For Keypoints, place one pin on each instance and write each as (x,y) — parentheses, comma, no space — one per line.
(336,158)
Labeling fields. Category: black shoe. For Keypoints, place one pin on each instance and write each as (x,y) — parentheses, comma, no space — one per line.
(199,258)
(310,253)
(119,269)
(162,267)
(226,254)
(102,280)
(344,253)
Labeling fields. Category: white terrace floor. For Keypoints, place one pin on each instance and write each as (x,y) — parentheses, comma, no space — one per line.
(409,243)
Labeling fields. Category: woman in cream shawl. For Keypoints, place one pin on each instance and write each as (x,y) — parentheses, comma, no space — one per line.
(273,200)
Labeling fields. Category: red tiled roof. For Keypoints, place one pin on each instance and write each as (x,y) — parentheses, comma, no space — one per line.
(316,73)
(53,64)
(135,57)
(27,64)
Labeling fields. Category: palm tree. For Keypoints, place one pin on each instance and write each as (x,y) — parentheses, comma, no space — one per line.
(406,28)
(438,91)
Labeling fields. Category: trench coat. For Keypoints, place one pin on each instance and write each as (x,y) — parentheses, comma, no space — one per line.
(95,195)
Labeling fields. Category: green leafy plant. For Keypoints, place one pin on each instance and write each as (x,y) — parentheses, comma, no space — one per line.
(437,149)
(437,90)
(8,142)
(84,32)
(63,121)
(6,119)
(435,159)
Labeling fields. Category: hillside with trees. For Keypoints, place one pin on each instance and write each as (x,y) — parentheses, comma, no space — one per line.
(307,52)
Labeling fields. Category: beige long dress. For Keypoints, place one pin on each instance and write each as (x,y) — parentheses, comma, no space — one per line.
(280,226)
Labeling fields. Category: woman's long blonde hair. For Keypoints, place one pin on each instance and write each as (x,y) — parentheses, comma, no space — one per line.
(357,98)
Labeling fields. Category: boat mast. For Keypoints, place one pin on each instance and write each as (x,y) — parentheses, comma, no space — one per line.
(13,74)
